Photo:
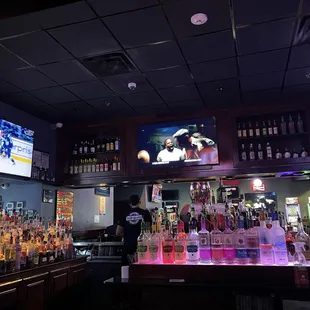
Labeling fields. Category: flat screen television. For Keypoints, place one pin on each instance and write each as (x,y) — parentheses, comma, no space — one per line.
(16,147)
(181,143)
(170,194)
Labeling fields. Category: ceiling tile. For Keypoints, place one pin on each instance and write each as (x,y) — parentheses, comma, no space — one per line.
(214,70)
(108,104)
(170,77)
(21,99)
(220,92)
(7,88)
(256,11)
(187,105)
(65,14)
(157,56)
(208,47)
(8,61)
(119,83)
(150,98)
(37,48)
(67,72)
(266,36)
(18,25)
(54,95)
(297,76)
(262,97)
(48,113)
(179,14)
(104,8)
(122,114)
(79,107)
(294,91)
(152,110)
(180,93)
(262,81)
(306,7)
(86,39)
(263,62)
(28,79)
(90,90)
(299,56)
(151,20)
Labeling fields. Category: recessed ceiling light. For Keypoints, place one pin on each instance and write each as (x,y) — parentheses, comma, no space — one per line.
(307,75)
(199,19)
(219,89)
(107,104)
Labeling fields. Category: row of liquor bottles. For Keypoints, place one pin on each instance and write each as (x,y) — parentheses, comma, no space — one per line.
(28,244)
(88,165)
(270,128)
(99,145)
(258,244)
(256,152)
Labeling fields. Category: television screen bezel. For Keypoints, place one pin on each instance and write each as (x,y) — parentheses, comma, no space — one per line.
(176,164)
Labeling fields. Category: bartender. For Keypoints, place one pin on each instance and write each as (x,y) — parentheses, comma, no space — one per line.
(130,229)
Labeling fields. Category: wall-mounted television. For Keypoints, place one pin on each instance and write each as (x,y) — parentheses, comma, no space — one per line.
(170,194)
(180,143)
(16,147)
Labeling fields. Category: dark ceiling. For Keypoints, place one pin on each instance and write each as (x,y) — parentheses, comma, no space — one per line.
(249,52)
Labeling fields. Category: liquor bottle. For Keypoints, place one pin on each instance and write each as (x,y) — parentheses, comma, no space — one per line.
(76,167)
(283,126)
(212,197)
(287,153)
(75,150)
(257,130)
(97,166)
(93,165)
(92,146)
(107,145)
(278,154)
(85,165)
(85,147)
(81,147)
(142,249)
(204,242)
(81,165)
(252,152)
(268,151)
(251,133)
(89,164)
(217,251)
(168,245)
(180,244)
(116,144)
(301,235)
(98,145)
(243,153)
(18,253)
(252,241)
(303,153)
(192,247)
(112,144)
(71,167)
(241,245)
(114,164)
(275,128)
(260,153)
(106,165)
(229,242)
(265,243)
(295,154)
(103,145)
(118,164)
(154,245)
(270,130)
(264,129)
(291,125)
(244,133)
(239,131)
(101,167)
(300,124)
(279,242)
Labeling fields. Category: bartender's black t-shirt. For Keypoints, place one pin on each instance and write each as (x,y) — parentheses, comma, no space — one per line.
(132,227)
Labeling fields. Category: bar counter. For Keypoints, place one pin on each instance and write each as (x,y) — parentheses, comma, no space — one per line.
(43,287)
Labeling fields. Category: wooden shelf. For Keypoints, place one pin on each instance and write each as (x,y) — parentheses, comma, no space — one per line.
(96,154)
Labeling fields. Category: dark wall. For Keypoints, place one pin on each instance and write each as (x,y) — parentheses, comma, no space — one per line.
(45,136)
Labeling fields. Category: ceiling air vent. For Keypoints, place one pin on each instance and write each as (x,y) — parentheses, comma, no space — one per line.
(109,64)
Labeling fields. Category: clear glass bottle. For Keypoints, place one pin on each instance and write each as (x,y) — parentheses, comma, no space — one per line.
(275,128)
(295,154)
(244,156)
(204,242)
(217,250)
(291,125)
(303,153)
(239,131)
(241,245)
(251,133)
(168,245)
(283,126)
(252,241)
(300,124)
(287,153)
(192,247)
(180,244)
(229,242)
(244,133)
(257,130)
(265,243)
(264,129)
(278,154)
(252,152)
(270,130)
(268,151)
(301,235)
(279,242)
(260,153)
(142,249)
(154,246)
